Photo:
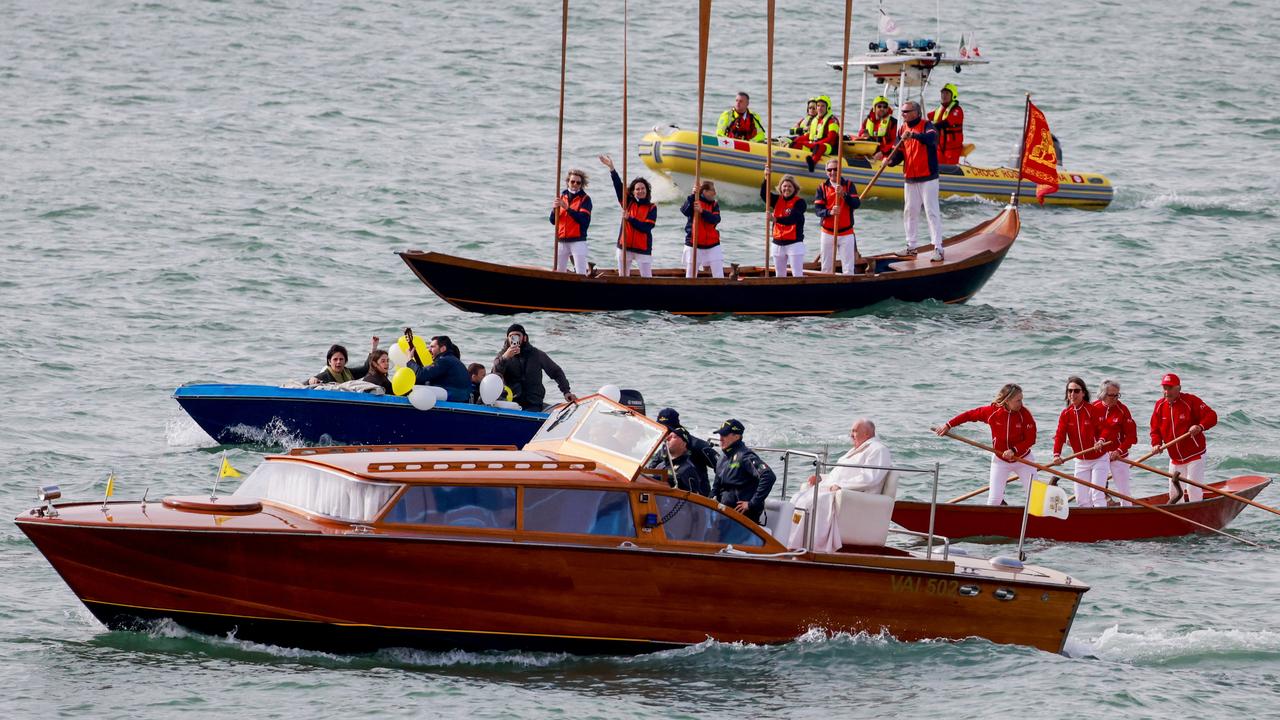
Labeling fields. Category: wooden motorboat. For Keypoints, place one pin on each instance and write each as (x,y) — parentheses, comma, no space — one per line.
(1086,524)
(564,545)
(258,413)
(485,287)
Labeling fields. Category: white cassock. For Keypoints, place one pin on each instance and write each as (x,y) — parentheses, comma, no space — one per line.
(826,535)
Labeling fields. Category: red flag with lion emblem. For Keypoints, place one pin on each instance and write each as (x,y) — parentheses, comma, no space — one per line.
(1039,160)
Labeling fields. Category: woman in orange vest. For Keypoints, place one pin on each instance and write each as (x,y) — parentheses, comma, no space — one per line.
(710,254)
(639,214)
(834,205)
(788,225)
(571,214)
(948,118)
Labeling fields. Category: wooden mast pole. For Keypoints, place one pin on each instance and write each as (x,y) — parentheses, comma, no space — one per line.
(768,143)
(625,269)
(844,91)
(1022,148)
(704,31)
(564,43)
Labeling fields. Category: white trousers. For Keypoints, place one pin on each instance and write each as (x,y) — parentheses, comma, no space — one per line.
(575,248)
(1193,470)
(1094,471)
(847,249)
(712,257)
(789,255)
(916,195)
(1120,479)
(643,262)
(1000,471)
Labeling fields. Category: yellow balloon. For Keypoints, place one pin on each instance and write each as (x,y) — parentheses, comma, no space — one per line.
(420,345)
(403,381)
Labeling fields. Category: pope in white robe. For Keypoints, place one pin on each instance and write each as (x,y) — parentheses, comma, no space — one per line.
(867,450)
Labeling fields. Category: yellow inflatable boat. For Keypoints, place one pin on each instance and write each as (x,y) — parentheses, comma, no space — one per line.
(670,151)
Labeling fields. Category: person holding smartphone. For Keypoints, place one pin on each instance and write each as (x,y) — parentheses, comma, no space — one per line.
(522,365)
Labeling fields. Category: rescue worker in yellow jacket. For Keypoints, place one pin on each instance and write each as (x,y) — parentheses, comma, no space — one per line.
(740,122)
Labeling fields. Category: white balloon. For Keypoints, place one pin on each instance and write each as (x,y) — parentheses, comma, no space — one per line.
(422,397)
(612,392)
(490,388)
(506,405)
(442,395)
(398,357)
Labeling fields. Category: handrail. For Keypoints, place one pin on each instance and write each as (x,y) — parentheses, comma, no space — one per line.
(820,462)
(339,449)
(434,466)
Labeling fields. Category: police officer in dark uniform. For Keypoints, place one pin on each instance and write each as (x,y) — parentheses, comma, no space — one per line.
(703,456)
(743,480)
(687,476)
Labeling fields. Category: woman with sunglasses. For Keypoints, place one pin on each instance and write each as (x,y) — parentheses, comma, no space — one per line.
(1013,432)
(571,214)
(787,225)
(1080,424)
(1119,431)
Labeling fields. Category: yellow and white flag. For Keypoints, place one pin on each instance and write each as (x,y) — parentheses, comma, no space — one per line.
(111,485)
(227,470)
(1047,501)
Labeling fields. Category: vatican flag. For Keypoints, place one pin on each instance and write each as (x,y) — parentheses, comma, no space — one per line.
(227,470)
(1047,501)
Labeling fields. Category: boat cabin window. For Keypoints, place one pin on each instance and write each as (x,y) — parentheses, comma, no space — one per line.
(317,490)
(456,506)
(691,522)
(590,512)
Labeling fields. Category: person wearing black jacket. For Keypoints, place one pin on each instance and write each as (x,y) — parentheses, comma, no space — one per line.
(743,480)
(701,454)
(687,477)
(445,371)
(522,365)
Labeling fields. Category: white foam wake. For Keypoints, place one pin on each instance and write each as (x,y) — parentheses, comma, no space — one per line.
(1164,646)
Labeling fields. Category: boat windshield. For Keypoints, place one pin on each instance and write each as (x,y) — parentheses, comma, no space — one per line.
(598,429)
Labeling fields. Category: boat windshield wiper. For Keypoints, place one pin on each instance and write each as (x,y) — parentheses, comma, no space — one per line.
(565,414)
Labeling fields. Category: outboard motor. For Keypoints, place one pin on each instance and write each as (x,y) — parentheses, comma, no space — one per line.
(633,399)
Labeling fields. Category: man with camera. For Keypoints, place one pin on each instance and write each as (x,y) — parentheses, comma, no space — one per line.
(522,365)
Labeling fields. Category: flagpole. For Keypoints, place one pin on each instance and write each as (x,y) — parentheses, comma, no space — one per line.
(1022,148)
(768,142)
(218,476)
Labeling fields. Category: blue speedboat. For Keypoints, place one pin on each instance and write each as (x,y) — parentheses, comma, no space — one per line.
(258,413)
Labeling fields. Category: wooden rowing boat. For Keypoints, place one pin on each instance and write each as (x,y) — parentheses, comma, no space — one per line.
(1085,524)
(971,259)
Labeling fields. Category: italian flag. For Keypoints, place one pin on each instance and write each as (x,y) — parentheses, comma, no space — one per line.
(724,142)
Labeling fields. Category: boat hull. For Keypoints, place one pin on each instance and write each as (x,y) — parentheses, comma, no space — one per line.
(1085,524)
(742,163)
(478,286)
(257,413)
(344,590)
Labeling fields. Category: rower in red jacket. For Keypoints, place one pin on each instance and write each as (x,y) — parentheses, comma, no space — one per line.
(834,205)
(704,217)
(571,215)
(1081,425)
(1013,432)
(1119,431)
(639,215)
(1175,414)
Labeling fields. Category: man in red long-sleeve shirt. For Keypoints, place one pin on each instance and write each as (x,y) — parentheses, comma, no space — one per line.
(1174,415)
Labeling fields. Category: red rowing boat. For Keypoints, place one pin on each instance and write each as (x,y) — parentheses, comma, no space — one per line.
(1085,524)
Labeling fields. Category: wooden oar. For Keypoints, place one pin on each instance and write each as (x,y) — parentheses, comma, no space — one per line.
(704,30)
(1113,493)
(884,163)
(1210,488)
(768,140)
(1161,448)
(1013,478)
(564,43)
(625,270)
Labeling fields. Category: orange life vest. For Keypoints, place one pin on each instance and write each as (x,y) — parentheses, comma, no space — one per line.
(786,234)
(566,227)
(633,239)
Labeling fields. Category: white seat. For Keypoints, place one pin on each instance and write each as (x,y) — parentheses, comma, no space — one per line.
(863,518)
(778,514)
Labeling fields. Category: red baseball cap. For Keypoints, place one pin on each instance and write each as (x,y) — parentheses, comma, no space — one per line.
(1170,379)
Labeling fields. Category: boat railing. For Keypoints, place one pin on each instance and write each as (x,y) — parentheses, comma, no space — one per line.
(818,461)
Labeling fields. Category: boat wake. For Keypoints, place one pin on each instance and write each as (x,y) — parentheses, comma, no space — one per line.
(1237,205)
(1162,647)
(182,432)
